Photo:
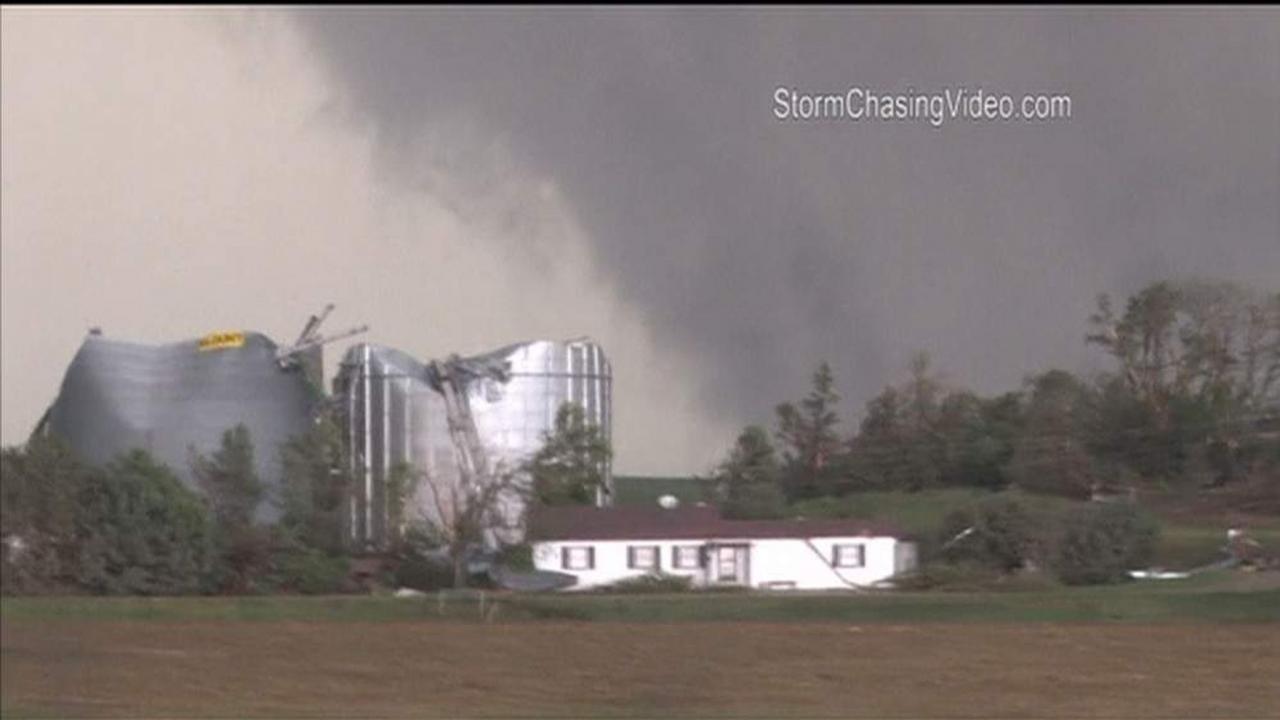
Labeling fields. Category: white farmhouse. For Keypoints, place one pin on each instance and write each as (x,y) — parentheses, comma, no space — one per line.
(600,546)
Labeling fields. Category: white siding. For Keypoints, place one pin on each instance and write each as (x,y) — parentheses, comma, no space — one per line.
(808,563)
(611,560)
(804,564)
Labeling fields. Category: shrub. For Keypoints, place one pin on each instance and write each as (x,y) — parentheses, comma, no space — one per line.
(958,576)
(651,583)
(1100,542)
(970,577)
(1001,535)
(424,573)
(312,572)
(826,506)
(517,557)
(757,501)
(242,559)
(141,530)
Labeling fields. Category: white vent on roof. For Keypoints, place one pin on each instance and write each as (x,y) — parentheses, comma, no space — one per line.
(669,502)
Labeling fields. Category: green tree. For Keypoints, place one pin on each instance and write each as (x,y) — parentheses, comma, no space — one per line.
(921,394)
(234,492)
(811,443)
(900,445)
(402,486)
(1143,342)
(1199,360)
(998,533)
(140,530)
(880,450)
(978,437)
(1102,541)
(747,482)
(315,483)
(1052,454)
(229,479)
(570,467)
(309,549)
(39,485)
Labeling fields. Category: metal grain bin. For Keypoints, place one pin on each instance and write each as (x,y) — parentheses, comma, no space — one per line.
(393,415)
(172,399)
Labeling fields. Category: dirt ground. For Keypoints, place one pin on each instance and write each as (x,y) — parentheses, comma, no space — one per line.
(301,669)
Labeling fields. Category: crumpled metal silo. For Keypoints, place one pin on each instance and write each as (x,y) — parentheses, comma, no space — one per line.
(172,399)
(394,414)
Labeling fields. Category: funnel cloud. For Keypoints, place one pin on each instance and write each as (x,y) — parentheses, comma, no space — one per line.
(765,247)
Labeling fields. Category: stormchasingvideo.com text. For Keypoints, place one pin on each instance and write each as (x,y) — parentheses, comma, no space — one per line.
(860,104)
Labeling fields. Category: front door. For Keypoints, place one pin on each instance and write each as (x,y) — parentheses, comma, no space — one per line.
(731,564)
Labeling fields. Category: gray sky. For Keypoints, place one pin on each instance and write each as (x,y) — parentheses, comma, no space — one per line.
(461,180)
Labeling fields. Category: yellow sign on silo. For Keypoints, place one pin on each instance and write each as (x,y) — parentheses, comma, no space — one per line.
(221,341)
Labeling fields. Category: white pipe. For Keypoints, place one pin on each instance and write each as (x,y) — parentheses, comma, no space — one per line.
(386,443)
(351,460)
(368,450)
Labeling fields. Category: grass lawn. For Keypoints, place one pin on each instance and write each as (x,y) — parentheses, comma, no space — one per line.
(1227,596)
(1185,542)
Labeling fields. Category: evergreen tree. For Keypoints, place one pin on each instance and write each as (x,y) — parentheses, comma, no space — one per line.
(1052,454)
(234,492)
(900,445)
(747,482)
(230,480)
(38,515)
(315,484)
(810,440)
(570,467)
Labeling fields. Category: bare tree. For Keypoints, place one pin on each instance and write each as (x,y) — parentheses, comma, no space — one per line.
(468,515)
(1194,339)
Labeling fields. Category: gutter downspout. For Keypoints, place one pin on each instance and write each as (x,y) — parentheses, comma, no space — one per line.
(827,565)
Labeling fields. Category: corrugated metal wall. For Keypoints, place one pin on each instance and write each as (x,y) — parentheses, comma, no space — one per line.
(171,399)
(393,415)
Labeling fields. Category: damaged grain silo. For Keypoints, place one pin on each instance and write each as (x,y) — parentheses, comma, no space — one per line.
(173,399)
(396,412)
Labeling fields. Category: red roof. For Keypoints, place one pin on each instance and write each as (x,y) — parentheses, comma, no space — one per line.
(684,523)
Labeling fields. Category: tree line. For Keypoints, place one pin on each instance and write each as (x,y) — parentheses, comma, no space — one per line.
(1189,404)
(132,526)
(1190,400)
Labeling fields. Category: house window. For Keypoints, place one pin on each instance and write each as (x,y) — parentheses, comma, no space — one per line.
(642,557)
(686,557)
(850,556)
(578,558)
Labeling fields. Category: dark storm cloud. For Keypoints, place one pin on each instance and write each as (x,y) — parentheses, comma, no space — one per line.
(764,247)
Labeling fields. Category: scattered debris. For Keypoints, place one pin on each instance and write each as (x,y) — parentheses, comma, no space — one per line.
(1158,575)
